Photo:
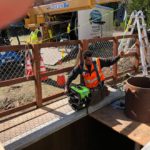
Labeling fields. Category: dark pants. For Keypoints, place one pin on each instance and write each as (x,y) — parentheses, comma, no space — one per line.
(98,94)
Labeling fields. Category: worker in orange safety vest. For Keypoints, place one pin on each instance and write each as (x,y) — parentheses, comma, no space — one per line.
(91,71)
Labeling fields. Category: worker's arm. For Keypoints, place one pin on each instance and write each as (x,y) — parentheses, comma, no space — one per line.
(73,75)
(106,62)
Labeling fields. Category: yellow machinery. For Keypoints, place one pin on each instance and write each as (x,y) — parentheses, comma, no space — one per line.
(45,12)
(36,14)
(67,6)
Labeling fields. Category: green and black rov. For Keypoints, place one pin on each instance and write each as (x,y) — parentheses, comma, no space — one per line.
(79,97)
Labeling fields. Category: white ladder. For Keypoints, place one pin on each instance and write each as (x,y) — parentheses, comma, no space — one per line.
(124,44)
(137,20)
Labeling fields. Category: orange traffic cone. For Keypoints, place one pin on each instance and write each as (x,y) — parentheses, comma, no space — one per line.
(28,66)
(43,69)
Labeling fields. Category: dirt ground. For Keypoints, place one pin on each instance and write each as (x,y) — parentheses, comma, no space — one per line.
(23,93)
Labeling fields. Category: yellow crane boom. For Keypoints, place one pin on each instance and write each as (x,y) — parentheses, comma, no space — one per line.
(67,6)
(43,13)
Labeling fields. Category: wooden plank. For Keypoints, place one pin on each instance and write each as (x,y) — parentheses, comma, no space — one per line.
(14,47)
(36,67)
(100,39)
(57,44)
(15,81)
(52,97)
(126,36)
(118,121)
(10,111)
(51,73)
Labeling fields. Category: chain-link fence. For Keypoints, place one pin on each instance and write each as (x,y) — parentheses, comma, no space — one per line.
(12,64)
(127,63)
(57,58)
(16,64)
(12,67)
(103,49)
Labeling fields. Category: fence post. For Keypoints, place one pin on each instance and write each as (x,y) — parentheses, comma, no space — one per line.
(85,44)
(36,69)
(84,47)
(115,53)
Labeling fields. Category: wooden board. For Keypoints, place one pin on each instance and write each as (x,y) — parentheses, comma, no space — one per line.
(118,121)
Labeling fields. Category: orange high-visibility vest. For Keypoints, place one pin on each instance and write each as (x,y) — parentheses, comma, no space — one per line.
(91,79)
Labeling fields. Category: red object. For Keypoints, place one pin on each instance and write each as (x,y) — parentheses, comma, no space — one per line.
(43,69)
(28,67)
(61,80)
(11,10)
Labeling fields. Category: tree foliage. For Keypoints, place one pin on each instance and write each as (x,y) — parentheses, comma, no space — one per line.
(143,5)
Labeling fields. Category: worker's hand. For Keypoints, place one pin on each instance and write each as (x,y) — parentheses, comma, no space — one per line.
(121,54)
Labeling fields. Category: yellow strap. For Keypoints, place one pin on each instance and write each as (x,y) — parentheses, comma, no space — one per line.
(50,34)
(63,53)
(68,28)
(128,25)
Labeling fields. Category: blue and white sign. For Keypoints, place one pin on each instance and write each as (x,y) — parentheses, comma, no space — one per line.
(58,5)
(95,16)
(95,22)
